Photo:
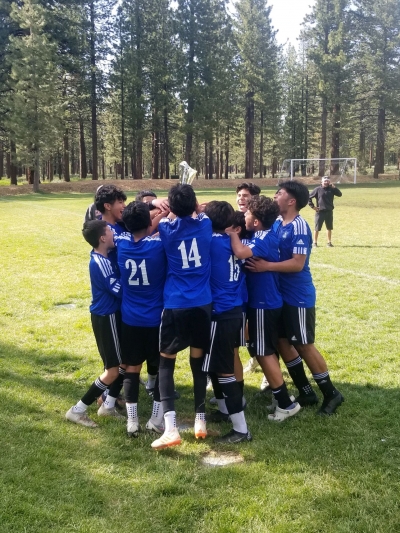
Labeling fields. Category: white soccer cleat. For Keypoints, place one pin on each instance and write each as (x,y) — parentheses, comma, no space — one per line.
(274,404)
(152,425)
(200,429)
(80,418)
(282,414)
(104,411)
(251,366)
(132,427)
(168,439)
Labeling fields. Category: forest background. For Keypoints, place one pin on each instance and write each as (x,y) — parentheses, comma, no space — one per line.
(129,88)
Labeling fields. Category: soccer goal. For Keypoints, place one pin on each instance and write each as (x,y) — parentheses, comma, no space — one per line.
(339,170)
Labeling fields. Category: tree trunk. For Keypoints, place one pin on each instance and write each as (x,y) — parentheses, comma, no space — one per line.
(51,168)
(210,161)
(166,140)
(335,145)
(93,94)
(261,143)
(379,167)
(227,154)
(249,134)
(155,148)
(36,170)
(361,146)
(13,166)
(83,171)
(322,153)
(1,160)
(205,160)
(66,157)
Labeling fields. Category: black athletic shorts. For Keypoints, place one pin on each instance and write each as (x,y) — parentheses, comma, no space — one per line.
(107,332)
(321,217)
(140,344)
(181,328)
(225,337)
(263,330)
(299,324)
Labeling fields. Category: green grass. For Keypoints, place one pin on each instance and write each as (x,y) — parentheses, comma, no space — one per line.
(336,475)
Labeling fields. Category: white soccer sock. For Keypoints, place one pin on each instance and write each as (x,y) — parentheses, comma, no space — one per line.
(80,407)
(170,421)
(109,402)
(151,381)
(131,409)
(222,406)
(201,416)
(239,422)
(157,413)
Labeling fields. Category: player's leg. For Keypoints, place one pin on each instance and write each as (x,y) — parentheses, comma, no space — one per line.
(156,421)
(131,391)
(329,226)
(319,220)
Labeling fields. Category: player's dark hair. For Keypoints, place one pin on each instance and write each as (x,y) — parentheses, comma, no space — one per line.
(108,194)
(142,194)
(264,209)
(136,216)
(182,200)
(298,190)
(92,231)
(221,215)
(239,221)
(253,189)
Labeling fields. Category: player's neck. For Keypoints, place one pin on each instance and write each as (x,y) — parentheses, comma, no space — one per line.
(139,235)
(289,216)
(110,219)
(101,250)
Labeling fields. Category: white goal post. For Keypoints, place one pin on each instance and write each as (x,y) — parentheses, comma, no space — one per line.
(346,168)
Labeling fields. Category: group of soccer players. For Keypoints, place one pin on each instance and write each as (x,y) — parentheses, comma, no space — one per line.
(171,274)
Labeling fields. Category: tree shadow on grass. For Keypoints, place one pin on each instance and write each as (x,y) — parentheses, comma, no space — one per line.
(311,473)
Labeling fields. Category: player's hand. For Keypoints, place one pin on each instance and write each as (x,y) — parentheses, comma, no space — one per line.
(231,229)
(256,264)
(154,213)
(200,208)
(161,203)
(316,209)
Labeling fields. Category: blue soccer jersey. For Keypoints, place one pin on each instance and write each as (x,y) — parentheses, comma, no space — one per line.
(226,275)
(263,287)
(187,244)
(106,287)
(119,232)
(143,268)
(295,238)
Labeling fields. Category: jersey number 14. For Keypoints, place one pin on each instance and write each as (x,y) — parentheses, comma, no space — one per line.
(193,254)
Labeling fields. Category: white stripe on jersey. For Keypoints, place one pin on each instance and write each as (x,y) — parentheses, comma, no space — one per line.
(104,264)
(299,226)
(113,324)
(302,322)
(260,332)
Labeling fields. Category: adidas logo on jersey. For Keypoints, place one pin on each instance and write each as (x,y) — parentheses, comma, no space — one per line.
(293,338)
(300,241)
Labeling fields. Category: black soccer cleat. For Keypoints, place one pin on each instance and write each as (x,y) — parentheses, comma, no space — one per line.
(218,416)
(306,400)
(234,437)
(329,405)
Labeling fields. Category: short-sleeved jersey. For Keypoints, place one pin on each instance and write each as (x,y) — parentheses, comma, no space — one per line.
(226,275)
(143,268)
(106,287)
(119,232)
(263,287)
(296,238)
(187,244)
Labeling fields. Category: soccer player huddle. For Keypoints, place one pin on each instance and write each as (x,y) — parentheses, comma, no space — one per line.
(167,275)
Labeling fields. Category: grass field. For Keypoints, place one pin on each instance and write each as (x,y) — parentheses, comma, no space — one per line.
(336,475)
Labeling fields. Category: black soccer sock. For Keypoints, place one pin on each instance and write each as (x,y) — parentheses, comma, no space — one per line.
(281,395)
(156,394)
(232,393)
(152,370)
(298,375)
(131,387)
(199,384)
(216,386)
(167,386)
(116,386)
(325,384)
(96,389)
(241,385)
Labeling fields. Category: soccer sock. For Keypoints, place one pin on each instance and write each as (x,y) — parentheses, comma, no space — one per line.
(222,406)
(170,420)
(325,384)
(80,407)
(232,393)
(298,375)
(201,416)
(241,385)
(151,381)
(157,412)
(116,386)
(281,395)
(156,395)
(167,386)
(95,390)
(239,422)
(216,387)
(109,402)
(131,409)
(199,384)
(131,387)
(152,370)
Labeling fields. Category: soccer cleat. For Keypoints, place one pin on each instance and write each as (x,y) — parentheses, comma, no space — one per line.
(213,401)
(264,384)
(200,430)
(329,405)
(305,400)
(315,245)
(234,437)
(172,438)
(282,414)
(150,392)
(153,426)
(330,245)
(104,411)
(251,366)
(218,416)
(132,427)
(274,404)
(80,418)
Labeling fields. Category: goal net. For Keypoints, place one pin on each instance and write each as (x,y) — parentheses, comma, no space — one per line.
(339,170)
